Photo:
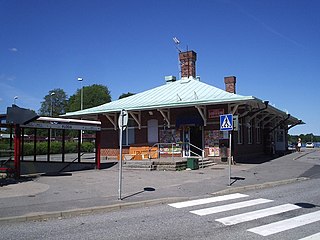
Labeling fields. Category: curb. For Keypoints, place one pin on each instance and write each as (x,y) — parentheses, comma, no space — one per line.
(85,211)
(260,186)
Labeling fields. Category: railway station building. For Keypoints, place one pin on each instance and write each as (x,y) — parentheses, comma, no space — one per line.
(182,118)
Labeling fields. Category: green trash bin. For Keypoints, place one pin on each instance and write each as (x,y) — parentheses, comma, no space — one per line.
(193,163)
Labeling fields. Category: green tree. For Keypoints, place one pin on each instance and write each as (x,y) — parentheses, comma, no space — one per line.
(124,95)
(54,104)
(93,96)
(304,138)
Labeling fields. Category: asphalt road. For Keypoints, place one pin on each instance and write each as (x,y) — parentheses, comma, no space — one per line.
(297,203)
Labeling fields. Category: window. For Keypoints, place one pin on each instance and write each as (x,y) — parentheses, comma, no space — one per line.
(240,132)
(128,136)
(258,132)
(153,131)
(249,127)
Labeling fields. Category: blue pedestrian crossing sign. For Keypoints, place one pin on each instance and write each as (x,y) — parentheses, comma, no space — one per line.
(226,122)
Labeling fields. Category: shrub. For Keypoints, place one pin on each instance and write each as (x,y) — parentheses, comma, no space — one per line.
(71,147)
(87,147)
(55,147)
(28,149)
(5,147)
(42,148)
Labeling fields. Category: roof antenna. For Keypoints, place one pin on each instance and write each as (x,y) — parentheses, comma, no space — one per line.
(177,42)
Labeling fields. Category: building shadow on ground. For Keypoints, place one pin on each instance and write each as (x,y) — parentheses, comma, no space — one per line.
(10,181)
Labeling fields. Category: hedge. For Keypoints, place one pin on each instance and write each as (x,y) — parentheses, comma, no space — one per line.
(56,148)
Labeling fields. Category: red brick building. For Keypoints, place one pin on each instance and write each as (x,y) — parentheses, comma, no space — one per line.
(187,110)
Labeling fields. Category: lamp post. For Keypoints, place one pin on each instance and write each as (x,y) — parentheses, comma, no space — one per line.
(81,102)
(51,110)
(81,93)
(15,99)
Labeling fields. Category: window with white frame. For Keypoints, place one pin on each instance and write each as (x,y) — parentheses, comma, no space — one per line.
(249,127)
(240,131)
(258,132)
(128,135)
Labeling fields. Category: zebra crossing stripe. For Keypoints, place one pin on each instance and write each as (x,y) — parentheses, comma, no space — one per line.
(249,216)
(207,200)
(287,224)
(312,237)
(211,210)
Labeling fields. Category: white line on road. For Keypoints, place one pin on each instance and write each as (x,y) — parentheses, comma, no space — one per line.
(287,224)
(249,216)
(207,200)
(206,211)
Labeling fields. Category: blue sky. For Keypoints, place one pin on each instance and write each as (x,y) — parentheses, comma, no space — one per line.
(271,46)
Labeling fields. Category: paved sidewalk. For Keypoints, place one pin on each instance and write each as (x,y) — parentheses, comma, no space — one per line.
(97,190)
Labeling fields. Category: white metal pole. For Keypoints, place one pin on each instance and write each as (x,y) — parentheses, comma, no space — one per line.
(81,137)
(51,112)
(81,102)
(120,160)
(230,157)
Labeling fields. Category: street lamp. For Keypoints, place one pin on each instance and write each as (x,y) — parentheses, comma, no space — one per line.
(15,99)
(81,93)
(51,112)
(81,102)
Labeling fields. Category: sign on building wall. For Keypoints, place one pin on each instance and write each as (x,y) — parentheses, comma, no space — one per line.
(169,141)
(215,113)
(211,138)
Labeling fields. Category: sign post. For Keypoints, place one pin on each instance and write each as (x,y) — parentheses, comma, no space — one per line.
(226,124)
(122,122)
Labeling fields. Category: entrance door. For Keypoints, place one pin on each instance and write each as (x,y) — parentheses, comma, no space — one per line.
(196,140)
(186,141)
(192,135)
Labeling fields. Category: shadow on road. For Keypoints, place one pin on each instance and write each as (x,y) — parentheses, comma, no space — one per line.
(235,179)
(306,205)
(146,189)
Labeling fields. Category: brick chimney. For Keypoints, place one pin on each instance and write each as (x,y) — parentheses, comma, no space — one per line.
(230,84)
(188,64)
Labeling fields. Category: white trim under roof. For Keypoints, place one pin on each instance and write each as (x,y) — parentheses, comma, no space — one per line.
(67,120)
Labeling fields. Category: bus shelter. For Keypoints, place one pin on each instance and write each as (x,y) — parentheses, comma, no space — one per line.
(18,121)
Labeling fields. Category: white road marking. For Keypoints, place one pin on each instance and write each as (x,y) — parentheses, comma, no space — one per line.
(207,200)
(249,216)
(232,206)
(312,237)
(287,224)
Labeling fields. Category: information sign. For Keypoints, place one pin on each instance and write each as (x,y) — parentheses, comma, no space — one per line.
(226,122)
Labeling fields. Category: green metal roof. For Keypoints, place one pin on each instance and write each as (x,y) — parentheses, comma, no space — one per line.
(180,93)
